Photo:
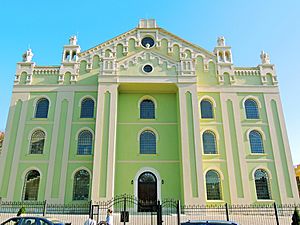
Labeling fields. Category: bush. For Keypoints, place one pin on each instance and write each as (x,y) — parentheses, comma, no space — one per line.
(296,217)
(21,211)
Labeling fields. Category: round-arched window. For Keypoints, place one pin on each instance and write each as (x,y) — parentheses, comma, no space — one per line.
(147,42)
(147,68)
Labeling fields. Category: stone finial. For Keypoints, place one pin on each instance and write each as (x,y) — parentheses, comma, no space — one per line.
(147,23)
(221,41)
(27,56)
(73,40)
(265,58)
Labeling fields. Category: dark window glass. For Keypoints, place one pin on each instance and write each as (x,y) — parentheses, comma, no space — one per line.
(85,142)
(147,109)
(256,143)
(147,192)
(81,186)
(262,184)
(147,143)
(213,185)
(251,109)
(31,185)
(87,108)
(147,42)
(147,68)
(209,142)
(42,107)
(37,142)
(206,109)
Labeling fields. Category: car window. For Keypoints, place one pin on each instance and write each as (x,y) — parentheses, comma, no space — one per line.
(13,221)
(45,222)
(29,221)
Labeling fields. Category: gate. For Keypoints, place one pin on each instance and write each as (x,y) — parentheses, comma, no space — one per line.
(170,212)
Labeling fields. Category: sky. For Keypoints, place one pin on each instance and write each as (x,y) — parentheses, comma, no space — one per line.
(248,26)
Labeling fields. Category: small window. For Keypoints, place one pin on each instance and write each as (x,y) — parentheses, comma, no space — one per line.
(85,143)
(147,142)
(213,185)
(87,108)
(206,109)
(147,68)
(147,109)
(262,185)
(31,185)
(42,107)
(37,142)
(209,142)
(81,185)
(251,109)
(147,42)
(256,142)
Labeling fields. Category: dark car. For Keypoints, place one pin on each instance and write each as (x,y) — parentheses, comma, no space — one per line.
(211,222)
(32,220)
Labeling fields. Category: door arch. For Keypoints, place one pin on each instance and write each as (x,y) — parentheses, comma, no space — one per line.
(147,191)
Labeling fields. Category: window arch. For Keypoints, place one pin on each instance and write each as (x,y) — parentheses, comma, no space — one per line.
(147,109)
(87,108)
(206,109)
(213,185)
(81,185)
(209,142)
(85,143)
(256,142)
(147,142)
(42,107)
(262,185)
(37,142)
(31,185)
(251,109)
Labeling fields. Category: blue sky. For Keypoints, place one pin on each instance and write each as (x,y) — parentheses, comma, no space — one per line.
(248,26)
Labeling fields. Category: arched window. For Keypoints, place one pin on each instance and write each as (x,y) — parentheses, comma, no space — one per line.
(147,142)
(42,107)
(31,185)
(37,142)
(262,184)
(213,185)
(85,143)
(209,142)
(147,109)
(251,109)
(256,143)
(87,108)
(81,185)
(206,109)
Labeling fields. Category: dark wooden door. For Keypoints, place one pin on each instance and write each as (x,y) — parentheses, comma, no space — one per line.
(147,192)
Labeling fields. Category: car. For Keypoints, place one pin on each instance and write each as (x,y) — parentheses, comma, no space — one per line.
(209,222)
(32,220)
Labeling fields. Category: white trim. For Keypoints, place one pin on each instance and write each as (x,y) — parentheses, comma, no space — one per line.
(146,129)
(221,183)
(261,168)
(251,97)
(147,64)
(84,97)
(36,99)
(83,129)
(25,172)
(258,129)
(148,97)
(211,99)
(154,40)
(217,138)
(30,135)
(214,105)
(213,130)
(78,169)
(269,183)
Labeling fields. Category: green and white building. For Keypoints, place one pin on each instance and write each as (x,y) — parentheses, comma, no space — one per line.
(150,114)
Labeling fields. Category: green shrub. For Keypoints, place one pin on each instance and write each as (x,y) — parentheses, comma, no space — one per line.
(21,211)
(296,217)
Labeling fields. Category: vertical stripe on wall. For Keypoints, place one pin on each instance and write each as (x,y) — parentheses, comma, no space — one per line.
(191,143)
(105,133)
(281,148)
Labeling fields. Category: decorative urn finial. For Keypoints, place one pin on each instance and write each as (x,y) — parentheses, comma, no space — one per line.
(27,56)
(221,41)
(265,58)
(73,40)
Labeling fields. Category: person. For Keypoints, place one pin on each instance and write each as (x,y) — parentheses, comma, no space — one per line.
(109,218)
(90,221)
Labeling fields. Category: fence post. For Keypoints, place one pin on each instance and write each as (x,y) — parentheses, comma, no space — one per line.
(178,212)
(276,213)
(227,212)
(90,210)
(124,211)
(45,208)
(159,213)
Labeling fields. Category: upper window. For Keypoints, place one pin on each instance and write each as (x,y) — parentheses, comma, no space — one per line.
(213,185)
(206,109)
(147,68)
(256,142)
(81,185)
(262,184)
(87,108)
(42,107)
(37,142)
(31,185)
(148,42)
(251,109)
(147,109)
(209,142)
(147,142)
(85,143)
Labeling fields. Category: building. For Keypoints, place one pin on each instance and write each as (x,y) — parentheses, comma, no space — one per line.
(148,114)
(297,172)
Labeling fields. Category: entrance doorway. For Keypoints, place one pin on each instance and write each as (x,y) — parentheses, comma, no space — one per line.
(147,192)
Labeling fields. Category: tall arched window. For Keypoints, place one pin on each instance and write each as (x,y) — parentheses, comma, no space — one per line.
(147,109)
(87,108)
(256,143)
(251,109)
(147,142)
(213,185)
(85,143)
(81,185)
(37,142)
(147,191)
(209,142)
(31,185)
(262,184)
(42,107)
(206,109)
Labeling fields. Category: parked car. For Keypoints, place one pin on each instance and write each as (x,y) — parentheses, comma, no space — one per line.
(210,222)
(32,220)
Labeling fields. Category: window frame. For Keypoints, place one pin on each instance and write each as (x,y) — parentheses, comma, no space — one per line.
(262,141)
(139,141)
(213,107)
(80,107)
(92,140)
(30,141)
(215,139)
(221,178)
(35,106)
(73,183)
(268,183)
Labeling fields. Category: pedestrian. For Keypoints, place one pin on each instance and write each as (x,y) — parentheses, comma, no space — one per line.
(90,221)
(109,218)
